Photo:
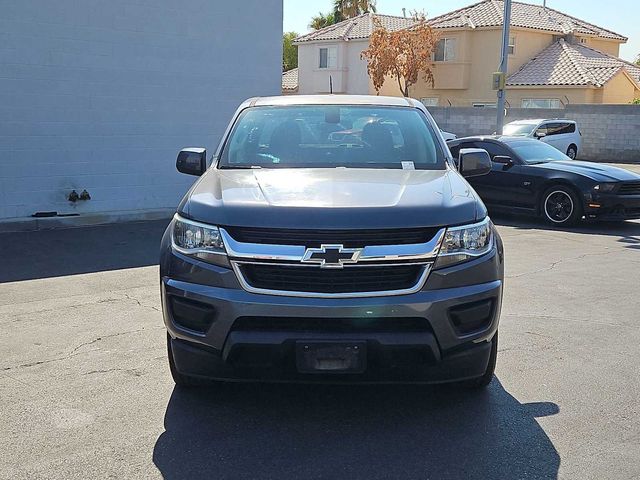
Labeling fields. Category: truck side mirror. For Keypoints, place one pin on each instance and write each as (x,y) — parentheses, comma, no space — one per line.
(192,161)
(474,162)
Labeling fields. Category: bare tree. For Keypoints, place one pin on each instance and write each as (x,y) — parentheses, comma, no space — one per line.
(402,54)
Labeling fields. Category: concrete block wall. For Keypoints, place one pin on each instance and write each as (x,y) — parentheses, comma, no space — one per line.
(101,95)
(610,133)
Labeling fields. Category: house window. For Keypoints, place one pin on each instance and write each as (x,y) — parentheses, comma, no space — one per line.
(445,50)
(429,101)
(540,103)
(328,57)
(511,48)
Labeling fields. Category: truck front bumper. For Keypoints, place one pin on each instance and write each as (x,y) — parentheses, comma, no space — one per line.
(440,334)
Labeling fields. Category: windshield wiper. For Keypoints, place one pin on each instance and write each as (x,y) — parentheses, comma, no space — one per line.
(240,167)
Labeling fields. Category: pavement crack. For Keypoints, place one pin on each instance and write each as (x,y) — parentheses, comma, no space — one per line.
(16,317)
(109,370)
(116,291)
(553,265)
(84,345)
(131,371)
(140,304)
(75,351)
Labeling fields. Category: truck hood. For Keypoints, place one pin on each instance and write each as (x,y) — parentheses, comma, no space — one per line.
(596,171)
(332,198)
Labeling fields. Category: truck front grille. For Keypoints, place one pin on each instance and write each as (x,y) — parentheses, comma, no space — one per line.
(348,238)
(352,279)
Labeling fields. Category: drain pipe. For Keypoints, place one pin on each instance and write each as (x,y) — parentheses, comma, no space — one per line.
(506,21)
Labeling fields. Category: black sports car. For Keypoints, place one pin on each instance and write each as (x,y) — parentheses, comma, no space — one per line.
(529,176)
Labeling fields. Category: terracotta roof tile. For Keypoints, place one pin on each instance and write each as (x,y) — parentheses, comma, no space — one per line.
(565,64)
(487,13)
(356,28)
(290,79)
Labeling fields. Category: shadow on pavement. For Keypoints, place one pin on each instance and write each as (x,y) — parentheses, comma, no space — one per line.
(54,253)
(628,232)
(368,432)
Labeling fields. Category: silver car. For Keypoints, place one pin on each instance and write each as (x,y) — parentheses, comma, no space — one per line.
(562,134)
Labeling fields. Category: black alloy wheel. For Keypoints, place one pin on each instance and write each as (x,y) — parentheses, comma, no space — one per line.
(560,206)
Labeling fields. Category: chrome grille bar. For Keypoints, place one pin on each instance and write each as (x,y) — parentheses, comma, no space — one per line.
(244,254)
(295,253)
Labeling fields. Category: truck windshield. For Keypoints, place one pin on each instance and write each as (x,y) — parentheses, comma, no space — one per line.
(330,136)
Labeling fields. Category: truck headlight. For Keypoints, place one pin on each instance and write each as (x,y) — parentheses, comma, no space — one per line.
(465,243)
(198,240)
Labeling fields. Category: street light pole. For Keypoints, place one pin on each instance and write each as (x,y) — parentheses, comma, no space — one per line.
(504,58)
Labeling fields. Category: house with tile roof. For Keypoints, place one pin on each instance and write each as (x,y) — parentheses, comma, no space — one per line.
(290,82)
(329,58)
(555,59)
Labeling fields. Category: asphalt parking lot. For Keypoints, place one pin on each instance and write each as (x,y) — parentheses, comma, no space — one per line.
(85,391)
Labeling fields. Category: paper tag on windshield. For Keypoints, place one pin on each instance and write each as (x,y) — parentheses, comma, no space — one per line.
(408,166)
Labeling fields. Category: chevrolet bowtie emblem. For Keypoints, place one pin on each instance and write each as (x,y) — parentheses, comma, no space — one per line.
(331,256)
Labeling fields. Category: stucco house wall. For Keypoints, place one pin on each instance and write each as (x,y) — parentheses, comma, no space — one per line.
(312,78)
(467,80)
(607,46)
(350,75)
(542,58)
(101,95)
(619,90)
(358,81)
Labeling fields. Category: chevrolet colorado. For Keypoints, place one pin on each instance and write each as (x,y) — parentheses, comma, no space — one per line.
(332,239)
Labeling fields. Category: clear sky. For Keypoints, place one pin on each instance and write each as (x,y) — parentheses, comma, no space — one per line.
(621,16)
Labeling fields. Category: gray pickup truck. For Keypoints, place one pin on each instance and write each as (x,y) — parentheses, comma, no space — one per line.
(332,239)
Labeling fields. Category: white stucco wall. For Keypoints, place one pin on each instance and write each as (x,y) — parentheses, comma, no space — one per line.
(350,75)
(358,82)
(101,95)
(307,65)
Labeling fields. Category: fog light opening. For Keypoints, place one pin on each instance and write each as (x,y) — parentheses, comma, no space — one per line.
(472,317)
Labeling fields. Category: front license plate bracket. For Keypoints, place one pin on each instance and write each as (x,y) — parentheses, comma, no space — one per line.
(331,357)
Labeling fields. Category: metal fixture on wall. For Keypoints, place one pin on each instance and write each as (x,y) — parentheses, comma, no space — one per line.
(73,196)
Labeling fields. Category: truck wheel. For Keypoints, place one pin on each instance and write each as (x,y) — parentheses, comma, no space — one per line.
(572,152)
(184,381)
(560,206)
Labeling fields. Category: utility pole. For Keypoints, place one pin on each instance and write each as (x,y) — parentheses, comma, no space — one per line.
(500,79)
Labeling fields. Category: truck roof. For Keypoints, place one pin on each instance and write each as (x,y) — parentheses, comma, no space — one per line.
(333,100)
